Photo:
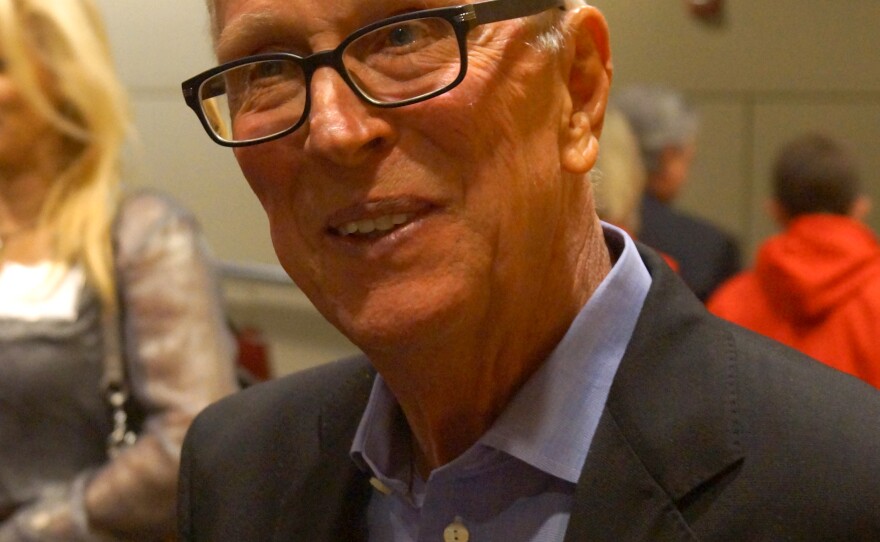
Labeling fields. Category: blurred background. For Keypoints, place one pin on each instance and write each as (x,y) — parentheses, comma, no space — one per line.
(759,73)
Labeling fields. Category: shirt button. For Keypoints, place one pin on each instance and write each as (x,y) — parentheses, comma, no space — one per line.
(456,532)
(40,521)
(379,486)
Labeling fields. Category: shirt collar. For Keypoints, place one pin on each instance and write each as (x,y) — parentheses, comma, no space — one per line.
(551,421)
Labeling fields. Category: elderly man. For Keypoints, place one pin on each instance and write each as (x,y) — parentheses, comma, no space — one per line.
(424,167)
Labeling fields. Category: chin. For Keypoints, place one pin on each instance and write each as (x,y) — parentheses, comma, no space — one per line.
(401,318)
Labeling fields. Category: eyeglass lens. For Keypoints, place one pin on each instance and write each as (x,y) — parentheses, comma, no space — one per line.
(390,64)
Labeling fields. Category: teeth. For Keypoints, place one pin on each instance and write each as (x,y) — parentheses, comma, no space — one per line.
(381,224)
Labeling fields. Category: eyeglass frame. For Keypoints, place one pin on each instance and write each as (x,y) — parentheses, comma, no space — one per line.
(463,18)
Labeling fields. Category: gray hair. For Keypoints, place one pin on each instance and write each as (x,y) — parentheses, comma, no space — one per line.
(619,173)
(551,36)
(212,18)
(660,118)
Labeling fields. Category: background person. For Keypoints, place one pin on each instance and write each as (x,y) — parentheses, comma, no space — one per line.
(816,285)
(77,263)
(666,126)
(619,177)
(540,377)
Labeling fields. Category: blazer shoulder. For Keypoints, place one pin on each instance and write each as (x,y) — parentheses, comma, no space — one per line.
(784,382)
(243,456)
(746,436)
(290,401)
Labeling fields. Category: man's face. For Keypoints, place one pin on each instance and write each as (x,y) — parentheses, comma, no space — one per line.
(675,166)
(417,221)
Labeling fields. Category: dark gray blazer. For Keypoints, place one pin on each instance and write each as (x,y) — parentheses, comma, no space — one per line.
(706,255)
(710,433)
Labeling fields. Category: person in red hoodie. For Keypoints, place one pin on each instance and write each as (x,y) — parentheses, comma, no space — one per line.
(816,285)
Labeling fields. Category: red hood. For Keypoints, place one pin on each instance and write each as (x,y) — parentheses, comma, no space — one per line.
(816,264)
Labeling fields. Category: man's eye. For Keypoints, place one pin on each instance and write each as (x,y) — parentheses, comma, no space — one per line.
(269,69)
(401,36)
(401,39)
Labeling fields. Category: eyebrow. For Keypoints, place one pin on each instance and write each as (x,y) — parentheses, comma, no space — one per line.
(252,27)
(245,30)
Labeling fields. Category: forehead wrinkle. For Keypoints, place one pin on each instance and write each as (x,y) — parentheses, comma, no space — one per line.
(248,27)
(245,29)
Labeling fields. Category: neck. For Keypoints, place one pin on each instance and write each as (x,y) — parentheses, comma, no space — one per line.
(22,198)
(25,183)
(21,201)
(452,390)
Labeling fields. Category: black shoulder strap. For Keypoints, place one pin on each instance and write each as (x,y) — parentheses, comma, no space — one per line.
(114,383)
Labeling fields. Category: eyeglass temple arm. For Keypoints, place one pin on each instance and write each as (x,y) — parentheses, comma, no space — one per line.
(503,10)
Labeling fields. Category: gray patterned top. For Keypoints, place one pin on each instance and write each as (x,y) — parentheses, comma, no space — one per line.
(56,481)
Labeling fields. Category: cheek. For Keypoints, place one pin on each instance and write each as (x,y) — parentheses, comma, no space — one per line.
(271,176)
(496,157)
(7,92)
(268,172)
(678,170)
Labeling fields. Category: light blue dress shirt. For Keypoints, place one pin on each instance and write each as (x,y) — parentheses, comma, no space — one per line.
(517,482)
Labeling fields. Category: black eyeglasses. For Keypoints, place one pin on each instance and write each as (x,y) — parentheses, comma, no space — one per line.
(397,61)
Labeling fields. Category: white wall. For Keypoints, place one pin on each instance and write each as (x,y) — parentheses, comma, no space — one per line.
(157,44)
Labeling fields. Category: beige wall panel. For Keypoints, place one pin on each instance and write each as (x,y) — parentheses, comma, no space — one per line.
(781,45)
(177,157)
(158,43)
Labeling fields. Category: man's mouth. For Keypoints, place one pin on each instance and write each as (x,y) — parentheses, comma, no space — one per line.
(373,227)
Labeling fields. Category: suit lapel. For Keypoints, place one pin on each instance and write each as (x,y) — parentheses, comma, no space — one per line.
(669,429)
(329,505)
(328,497)
(617,498)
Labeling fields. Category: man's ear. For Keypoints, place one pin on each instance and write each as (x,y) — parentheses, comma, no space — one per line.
(589,83)
(777,212)
(860,209)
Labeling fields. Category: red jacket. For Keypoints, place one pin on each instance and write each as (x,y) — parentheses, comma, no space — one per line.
(815,287)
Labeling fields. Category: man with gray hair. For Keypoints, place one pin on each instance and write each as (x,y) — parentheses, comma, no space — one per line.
(666,126)
(529,373)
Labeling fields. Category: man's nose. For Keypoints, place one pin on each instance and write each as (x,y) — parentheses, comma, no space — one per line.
(342,127)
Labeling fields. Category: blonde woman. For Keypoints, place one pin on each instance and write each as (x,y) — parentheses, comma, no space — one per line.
(620,174)
(79,264)
(620,177)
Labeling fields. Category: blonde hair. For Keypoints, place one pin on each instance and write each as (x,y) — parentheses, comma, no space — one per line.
(620,175)
(57,53)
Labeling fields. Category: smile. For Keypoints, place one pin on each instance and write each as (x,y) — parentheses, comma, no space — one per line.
(373,226)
